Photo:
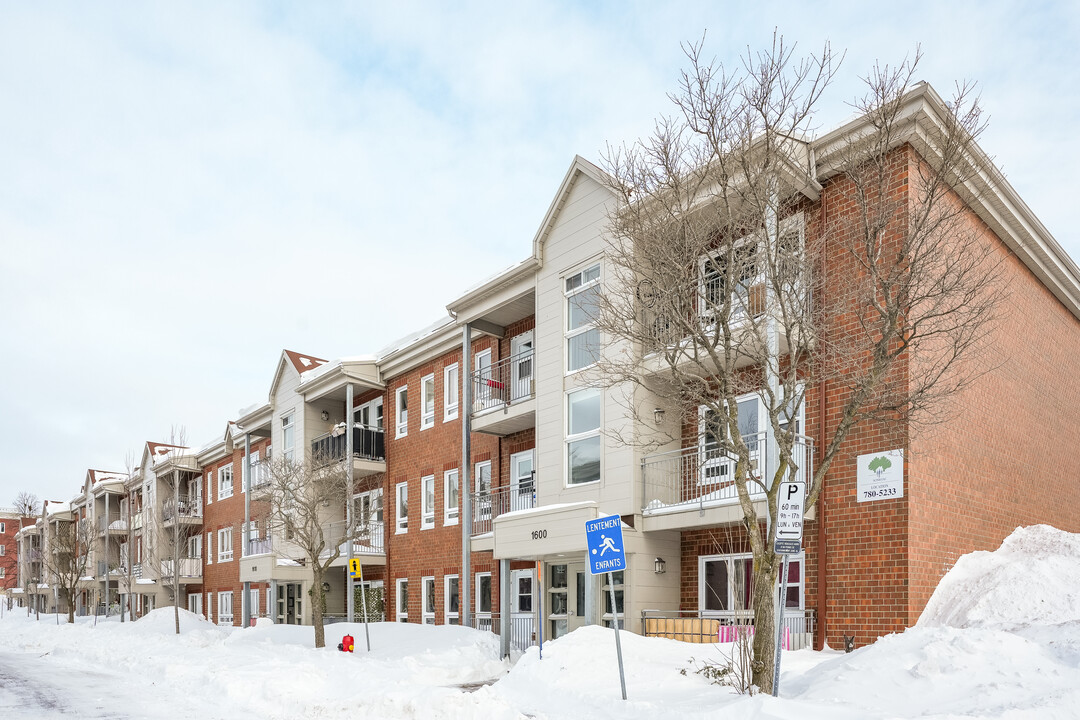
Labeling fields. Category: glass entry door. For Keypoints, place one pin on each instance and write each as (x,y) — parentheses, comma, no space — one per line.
(565,609)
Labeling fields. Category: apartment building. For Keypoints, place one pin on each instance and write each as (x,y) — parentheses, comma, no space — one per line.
(478,448)
(10,524)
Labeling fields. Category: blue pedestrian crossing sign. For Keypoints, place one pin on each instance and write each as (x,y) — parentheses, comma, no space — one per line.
(604,543)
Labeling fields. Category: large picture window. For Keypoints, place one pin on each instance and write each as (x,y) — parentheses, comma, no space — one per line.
(583,441)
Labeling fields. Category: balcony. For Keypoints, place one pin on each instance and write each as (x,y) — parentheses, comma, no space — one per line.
(489,505)
(187,509)
(504,396)
(701,479)
(190,569)
(259,546)
(114,524)
(369,450)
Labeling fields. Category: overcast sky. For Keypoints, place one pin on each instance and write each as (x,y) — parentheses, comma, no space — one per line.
(186,189)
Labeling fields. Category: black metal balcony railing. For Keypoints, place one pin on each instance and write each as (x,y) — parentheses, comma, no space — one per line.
(491,504)
(369,443)
(705,474)
(503,382)
(182,506)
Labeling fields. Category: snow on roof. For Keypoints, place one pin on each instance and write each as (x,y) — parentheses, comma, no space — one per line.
(309,375)
(303,363)
(408,340)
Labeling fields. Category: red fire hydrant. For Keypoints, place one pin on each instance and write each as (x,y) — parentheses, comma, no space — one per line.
(346,644)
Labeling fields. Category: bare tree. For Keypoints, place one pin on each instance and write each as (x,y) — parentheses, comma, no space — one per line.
(66,556)
(27,504)
(717,283)
(307,516)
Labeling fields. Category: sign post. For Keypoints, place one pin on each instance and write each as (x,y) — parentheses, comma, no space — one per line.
(604,548)
(787,540)
(357,570)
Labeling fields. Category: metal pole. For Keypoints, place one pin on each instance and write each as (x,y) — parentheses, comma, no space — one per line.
(780,628)
(246,549)
(464,494)
(350,601)
(615,624)
(540,605)
(504,606)
(363,604)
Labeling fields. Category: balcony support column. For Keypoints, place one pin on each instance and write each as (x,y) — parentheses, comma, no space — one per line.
(245,531)
(464,492)
(504,606)
(349,519)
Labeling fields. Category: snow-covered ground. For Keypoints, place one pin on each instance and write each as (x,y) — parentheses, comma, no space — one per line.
(999,639)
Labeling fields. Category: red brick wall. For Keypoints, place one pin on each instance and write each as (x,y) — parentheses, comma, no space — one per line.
(436,551)
(228,513)
(10,559)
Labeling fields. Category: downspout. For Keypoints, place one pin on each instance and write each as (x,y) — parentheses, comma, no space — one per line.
(822,544)
(464,491)
(350,602)
(246,534)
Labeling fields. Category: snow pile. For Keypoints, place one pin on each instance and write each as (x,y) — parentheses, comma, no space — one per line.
(1032,579)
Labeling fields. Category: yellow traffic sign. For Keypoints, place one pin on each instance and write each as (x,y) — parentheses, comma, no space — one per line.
(354,567)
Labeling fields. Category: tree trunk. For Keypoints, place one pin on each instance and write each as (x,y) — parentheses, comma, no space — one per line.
(764,604)
(317,597)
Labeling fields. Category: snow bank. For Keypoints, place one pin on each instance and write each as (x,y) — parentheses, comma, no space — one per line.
(1032,579)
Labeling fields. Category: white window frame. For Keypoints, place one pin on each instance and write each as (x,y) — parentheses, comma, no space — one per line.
(427,396)
(210,606)
(427,598)
(253,603)
(225,481)
(581,436)
(401,411)
(401,591)
(451,392)
(451,513)
(720,468)
(288,435)
(194,601)
(225,608)
(208,483)
(253,470)
(209,547)
(569,294)
(427,502)
(730,599)
(401,501)
(451,617)
(374,502)
(194,546)
(482,493)
(195,491)
(225,549)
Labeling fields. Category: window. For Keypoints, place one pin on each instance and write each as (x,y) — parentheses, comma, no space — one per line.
(402,417)
(614,581)
(253,603)
(195,492)
(582,338)
(209,552)
(717,463)
(3,550)
(482,488)
(194,603)
(583,436)
(224,551)
(747,292)
(288,436)
(450,497)
(558,594)
(402,598)
(224,608)
(255,473)
(209,606)
(450,593)
(724,584)
(427,502)
(224,475)
(194,547)
(450,392)
(3,528)
(401,507)
(427,402)
(428,601)
(522,486)
(209,484)
(368,509)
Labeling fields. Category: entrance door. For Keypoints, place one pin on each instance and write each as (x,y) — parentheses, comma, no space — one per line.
(566,598)
(289,604)
(521,352)
(521,608)
(522,488)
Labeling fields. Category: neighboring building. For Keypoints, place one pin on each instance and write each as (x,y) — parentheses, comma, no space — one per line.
(11,523)
(549,448)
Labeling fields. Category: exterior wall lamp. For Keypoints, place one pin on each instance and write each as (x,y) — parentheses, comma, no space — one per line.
(659,566)
(658,415)
(325,416)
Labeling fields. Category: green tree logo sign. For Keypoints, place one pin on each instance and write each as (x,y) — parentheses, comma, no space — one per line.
(879,465)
